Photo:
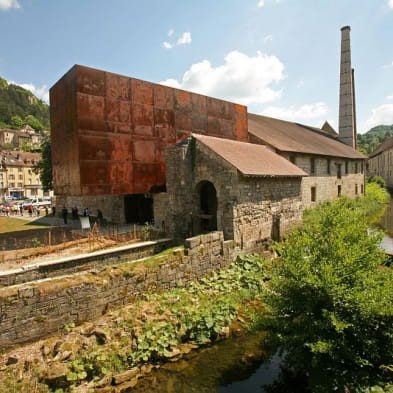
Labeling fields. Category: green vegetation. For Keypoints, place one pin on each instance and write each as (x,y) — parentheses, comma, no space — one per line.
(369,141)
(44,166)
(378,180)
(330,299)
(372,204)
(19,106)
(153,329)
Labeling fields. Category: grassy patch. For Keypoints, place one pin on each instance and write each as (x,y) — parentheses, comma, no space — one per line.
(10,224)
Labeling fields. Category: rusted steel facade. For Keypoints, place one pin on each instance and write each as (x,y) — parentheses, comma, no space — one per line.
(109,132)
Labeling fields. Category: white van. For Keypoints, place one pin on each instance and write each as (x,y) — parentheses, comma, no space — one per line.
(38,202)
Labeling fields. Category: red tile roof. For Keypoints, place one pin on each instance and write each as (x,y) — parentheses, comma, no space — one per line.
(293,137)
(251,159)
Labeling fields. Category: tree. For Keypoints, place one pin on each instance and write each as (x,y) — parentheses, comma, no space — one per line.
(44,166)
(16,122)
(331,300)
(32,121)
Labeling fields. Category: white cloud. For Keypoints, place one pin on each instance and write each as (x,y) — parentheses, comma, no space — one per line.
(41,92)
(8,4)
(305,113)
(185,39)
(390,3)
(167,45)
(383,114)
(242,79)
(262,3)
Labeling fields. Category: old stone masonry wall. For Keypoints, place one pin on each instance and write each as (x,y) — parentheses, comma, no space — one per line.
(32,311)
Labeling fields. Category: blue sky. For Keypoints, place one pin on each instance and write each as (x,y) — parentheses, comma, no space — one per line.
(279,57)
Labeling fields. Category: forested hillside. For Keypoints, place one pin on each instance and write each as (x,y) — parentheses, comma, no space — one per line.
(369,141)
(19,106)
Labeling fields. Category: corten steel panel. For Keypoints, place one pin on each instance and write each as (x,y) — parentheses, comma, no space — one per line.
(110,131)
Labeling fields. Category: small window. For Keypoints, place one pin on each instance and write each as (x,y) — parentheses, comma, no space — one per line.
(362,189)
(313,194)
(338,191)
(356,167)
(338,171)
(356,189)
(346,167)
(362,167)
(328,166)
(312,165)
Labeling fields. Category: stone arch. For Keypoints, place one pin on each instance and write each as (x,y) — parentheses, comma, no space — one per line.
(206,206)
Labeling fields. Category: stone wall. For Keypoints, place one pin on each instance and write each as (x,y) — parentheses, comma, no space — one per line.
(266,209)
(382,165)
(94,261)
(47,306)
(326,182)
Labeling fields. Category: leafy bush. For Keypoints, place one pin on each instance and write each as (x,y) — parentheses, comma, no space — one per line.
(373,202)
(147,231)
(331,299)
(377,180)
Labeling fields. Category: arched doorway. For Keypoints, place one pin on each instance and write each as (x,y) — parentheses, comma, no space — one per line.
(207,214)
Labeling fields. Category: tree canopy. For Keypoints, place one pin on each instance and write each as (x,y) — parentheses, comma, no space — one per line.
(369,141)
(19,106)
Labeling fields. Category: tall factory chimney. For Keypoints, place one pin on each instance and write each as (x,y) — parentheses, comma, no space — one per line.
(347,114)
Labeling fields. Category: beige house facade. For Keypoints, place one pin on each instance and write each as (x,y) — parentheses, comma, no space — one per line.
(17,175)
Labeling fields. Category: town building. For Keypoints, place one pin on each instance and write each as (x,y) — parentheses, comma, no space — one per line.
(17,175)
(26,137)
(380,162)
(139,151)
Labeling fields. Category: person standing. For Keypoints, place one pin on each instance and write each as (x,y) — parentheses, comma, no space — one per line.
(64,213)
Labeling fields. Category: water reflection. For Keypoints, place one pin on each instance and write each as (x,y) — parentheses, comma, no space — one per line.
(386,221)
(233,365)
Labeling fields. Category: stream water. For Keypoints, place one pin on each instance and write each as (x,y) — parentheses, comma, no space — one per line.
(239,364)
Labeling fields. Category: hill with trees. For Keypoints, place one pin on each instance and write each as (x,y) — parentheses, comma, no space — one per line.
(19,107)
(369,141)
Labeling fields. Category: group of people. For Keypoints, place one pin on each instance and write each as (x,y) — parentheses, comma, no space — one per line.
(16,210)
(74,213)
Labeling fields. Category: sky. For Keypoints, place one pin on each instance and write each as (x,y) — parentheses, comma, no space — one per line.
(281,58)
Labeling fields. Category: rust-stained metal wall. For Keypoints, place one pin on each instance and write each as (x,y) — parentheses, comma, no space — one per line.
(109,132)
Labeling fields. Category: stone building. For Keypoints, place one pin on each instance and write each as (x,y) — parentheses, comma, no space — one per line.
(244,190)
(25,137)
(380,162)
(140,152)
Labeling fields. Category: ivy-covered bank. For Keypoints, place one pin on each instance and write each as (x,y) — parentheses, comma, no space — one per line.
(157,328)
(327,301)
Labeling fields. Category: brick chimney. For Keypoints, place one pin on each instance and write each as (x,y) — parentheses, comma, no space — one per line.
(347,114)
